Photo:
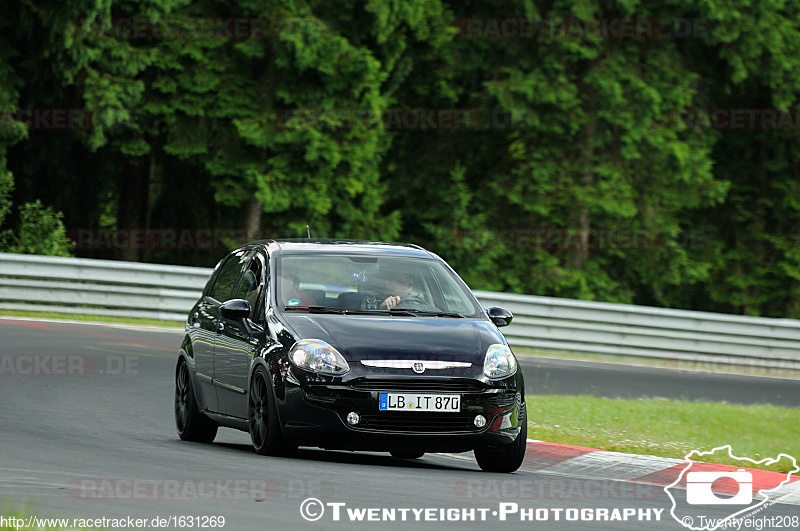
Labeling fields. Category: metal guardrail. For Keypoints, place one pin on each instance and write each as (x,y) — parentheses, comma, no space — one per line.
(550,323)
(129,289)
(99,287)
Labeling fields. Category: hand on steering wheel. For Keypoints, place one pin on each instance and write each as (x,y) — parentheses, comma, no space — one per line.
(393,301)
(390,302)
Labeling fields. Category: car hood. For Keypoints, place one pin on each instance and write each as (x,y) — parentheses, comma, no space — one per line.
(399,338)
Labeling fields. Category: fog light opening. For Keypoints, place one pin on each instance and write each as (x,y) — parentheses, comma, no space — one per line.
(353,418)
(480,421)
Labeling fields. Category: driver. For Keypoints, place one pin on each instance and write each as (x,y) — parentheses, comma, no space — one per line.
(399,286)
(290,288)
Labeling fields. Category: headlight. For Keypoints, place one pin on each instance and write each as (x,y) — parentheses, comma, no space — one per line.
(317,356)
(499,362)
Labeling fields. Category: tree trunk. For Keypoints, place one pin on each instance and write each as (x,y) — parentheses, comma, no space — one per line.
(150,198)
(133,188)
(584,218)
(252,219)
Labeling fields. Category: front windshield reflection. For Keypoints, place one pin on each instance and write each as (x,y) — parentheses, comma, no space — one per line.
(355,283)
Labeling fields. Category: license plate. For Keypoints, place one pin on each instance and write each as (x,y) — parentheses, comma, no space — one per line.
(419,402)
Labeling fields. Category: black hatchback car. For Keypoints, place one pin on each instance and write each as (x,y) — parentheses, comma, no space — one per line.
(349,345)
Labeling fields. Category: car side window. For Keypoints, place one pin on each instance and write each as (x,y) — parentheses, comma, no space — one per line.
(228,276)
(213,277)
(251,286)
(260,296)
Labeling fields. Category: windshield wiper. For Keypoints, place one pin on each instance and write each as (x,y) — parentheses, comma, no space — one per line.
(327,309)
(316,309)
(412,312)
(394,311)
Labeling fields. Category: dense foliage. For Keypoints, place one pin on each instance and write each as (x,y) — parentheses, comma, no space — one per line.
(532,150)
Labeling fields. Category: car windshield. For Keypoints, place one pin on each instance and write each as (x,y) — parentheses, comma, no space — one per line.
(368,284)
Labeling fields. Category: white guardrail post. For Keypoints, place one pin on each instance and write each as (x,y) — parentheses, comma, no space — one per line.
(130,289)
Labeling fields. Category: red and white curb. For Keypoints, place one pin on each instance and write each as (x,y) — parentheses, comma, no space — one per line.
(564,459)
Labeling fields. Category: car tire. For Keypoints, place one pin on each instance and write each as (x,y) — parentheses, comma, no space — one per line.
(262,416)
(192,425)
(506,458)
(407,454)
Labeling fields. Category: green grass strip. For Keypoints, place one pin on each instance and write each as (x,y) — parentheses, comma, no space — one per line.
(95,318)
(668,428)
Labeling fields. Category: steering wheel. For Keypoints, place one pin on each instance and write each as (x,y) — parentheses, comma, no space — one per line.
(414,301)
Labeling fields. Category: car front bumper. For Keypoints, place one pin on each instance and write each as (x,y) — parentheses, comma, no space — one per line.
(315,415)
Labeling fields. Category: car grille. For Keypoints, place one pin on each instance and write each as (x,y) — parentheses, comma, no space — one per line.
(452,386)
(418,422)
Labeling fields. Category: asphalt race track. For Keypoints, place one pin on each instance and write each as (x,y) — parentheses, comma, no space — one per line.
(87,430)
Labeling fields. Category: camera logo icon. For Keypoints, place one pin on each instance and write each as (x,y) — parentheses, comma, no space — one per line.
(699,487)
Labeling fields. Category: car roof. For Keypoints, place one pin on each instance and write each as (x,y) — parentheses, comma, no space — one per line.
(333,246)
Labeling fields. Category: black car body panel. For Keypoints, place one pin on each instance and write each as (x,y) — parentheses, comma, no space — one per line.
(360,337)
(312,408)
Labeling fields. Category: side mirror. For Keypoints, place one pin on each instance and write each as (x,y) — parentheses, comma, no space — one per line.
(499,316)
(235,309)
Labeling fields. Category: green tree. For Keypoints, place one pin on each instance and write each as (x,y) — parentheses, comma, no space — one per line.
(40,231)
(750,60)
(272,119)
(593,146)
(261,131)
